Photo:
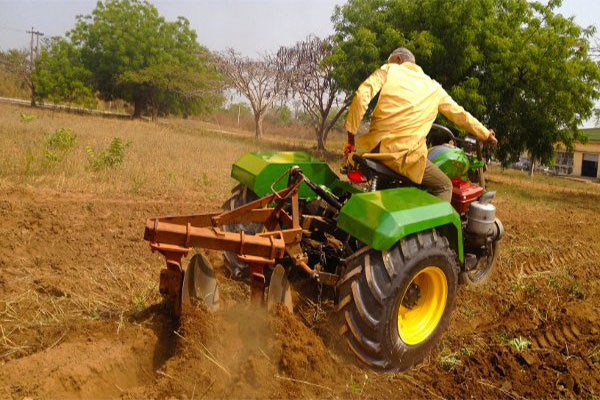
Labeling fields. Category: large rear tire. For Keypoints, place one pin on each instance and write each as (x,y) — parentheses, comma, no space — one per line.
(240,195)
(395,305)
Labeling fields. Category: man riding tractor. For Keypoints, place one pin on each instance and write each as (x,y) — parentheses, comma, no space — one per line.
(409,102)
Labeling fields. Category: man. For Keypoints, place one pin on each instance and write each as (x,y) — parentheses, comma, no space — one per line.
(409,102)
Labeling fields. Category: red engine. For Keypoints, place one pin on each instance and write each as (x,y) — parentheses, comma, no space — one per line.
(463,194)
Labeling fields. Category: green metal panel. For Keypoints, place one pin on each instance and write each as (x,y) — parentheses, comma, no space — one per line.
(258,171)
(381,218)
(451,160)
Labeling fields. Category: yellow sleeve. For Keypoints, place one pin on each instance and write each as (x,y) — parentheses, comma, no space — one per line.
(363,96)
(462,118)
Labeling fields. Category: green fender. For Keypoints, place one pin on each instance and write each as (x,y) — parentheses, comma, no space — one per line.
(258,171)
(380,219)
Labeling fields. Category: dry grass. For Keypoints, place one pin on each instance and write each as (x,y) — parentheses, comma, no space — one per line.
(170,158)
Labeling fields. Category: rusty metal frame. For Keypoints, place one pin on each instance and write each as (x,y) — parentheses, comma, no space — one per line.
(175,236)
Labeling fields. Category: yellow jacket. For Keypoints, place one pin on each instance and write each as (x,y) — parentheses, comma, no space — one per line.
(408,104)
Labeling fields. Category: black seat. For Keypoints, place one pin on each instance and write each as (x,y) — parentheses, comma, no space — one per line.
(379,168)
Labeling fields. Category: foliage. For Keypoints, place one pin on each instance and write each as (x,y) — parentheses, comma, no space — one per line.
(109,158)
(311,76)
(59,144)
(516,65)
(135,55)
(282,115)
(519,343)
(60,76)
(240,107)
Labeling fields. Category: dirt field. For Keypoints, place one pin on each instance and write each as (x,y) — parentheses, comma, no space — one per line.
(80,315)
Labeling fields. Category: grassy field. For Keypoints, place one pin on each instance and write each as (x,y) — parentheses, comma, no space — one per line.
(80,315)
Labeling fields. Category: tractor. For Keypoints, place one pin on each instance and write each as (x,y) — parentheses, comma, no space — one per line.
(392,253)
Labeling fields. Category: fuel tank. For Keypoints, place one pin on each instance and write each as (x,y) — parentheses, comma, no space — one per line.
(450,159)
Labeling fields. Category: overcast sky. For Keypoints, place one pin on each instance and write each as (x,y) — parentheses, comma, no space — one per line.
(249,26)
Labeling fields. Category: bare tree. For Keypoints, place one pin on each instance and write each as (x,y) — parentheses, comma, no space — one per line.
(311,78)
(260,81)
(19,63)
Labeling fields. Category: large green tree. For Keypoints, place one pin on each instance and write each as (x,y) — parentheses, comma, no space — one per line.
(518,66)
(60,77)
(135,54)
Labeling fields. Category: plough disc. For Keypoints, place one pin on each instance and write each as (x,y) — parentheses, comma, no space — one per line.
(279,290)
(199,283)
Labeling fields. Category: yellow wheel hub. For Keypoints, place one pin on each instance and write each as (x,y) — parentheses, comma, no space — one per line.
(417,322)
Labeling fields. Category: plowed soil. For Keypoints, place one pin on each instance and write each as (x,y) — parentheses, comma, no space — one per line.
(80,316)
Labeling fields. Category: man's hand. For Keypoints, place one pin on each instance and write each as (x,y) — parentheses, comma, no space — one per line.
(349,148)
(492,141)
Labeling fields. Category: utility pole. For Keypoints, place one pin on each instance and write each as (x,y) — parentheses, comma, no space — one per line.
(31,58)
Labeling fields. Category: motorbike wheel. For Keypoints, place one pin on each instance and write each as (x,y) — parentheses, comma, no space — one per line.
(395,305)
(484,268)
(240,195)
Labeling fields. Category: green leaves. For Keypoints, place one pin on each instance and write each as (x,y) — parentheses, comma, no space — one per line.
(517,66)
(109,158)
(60,76)
(125,49)
(59,144)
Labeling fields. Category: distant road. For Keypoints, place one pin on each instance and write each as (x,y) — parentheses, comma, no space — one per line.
(61,107)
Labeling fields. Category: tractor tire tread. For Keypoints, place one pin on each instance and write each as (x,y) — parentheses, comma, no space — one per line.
(371,281)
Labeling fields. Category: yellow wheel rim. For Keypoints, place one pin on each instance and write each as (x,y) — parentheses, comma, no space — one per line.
(416,323)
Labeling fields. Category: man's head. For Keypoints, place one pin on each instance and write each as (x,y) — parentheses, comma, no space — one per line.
(401,55)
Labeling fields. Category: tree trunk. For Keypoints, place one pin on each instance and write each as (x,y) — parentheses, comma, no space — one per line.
(138,105)
(531,167)
(320,139)
(33,95)
(258,120)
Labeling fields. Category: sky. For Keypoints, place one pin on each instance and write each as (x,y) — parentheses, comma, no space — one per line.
(250,26)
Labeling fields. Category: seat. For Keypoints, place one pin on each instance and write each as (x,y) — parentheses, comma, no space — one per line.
(379,168)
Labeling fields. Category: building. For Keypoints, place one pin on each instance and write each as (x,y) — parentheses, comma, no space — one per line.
(583,161)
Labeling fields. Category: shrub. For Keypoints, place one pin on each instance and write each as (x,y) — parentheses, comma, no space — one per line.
(59,144)
(110,158)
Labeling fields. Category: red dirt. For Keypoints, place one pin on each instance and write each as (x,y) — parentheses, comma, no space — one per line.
(81,318)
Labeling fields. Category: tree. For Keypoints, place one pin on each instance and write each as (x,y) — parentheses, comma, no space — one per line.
(134,54)
(60,76)
(515,65)
(312,81)
(260,81)
(18,63)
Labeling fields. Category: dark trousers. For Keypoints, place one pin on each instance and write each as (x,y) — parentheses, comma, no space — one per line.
(436,182)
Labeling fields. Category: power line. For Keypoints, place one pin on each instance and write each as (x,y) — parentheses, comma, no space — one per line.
(8,28)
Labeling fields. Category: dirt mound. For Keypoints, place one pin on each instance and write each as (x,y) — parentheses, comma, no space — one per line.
(244,352)
(98,366)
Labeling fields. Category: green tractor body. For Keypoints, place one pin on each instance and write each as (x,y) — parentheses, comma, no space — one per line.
(260,170)
(451,160)
(379,219)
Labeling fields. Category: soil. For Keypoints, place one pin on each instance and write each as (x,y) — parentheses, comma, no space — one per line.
(80,314)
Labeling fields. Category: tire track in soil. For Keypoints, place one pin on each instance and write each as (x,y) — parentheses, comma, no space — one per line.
(565,334)
(551,263)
